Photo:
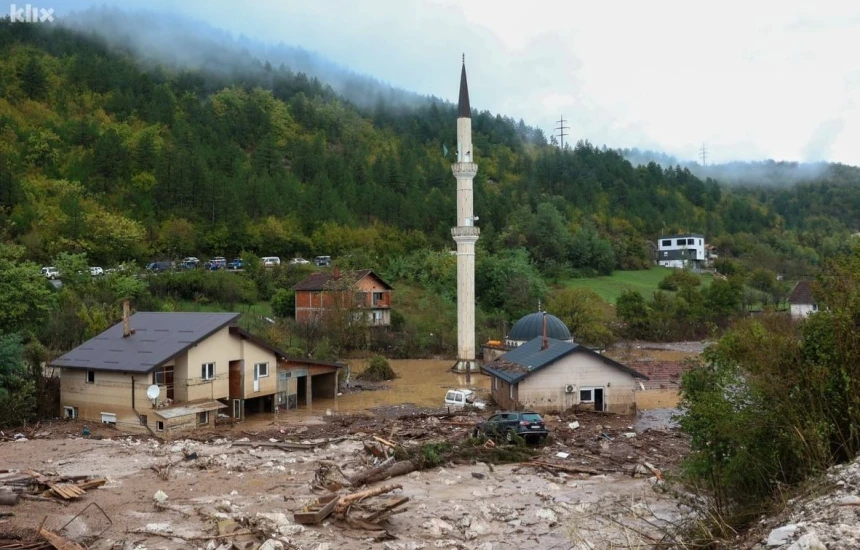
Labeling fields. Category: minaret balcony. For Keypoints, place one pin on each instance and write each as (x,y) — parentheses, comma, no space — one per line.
(464,169)
(465,231)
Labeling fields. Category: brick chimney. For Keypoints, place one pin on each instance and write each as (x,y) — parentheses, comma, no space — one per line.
(126,325)
(545,343)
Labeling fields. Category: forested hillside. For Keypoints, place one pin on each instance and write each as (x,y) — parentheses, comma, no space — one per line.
(102,155)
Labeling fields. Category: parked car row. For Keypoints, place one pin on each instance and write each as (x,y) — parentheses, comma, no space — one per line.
(52,273)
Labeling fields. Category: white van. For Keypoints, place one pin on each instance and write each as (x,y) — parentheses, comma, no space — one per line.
(462,398)
(271,261)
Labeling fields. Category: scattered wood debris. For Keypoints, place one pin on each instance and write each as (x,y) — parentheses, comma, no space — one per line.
(32,485)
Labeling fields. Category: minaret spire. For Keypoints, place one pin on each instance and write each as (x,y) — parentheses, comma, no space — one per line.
(465,234)
(463,108)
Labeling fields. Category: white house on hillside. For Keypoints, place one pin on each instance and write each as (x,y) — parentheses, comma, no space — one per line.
(680,251)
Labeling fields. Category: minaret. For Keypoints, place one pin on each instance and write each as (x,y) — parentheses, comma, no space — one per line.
(465,234)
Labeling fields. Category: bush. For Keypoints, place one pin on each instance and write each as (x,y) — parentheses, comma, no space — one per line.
(679,278)
(378,371)
(284,303)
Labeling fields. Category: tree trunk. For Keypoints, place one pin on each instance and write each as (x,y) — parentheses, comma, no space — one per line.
(397,469)
(8,499)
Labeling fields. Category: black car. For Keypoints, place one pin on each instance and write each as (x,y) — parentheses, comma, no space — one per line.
(526,424)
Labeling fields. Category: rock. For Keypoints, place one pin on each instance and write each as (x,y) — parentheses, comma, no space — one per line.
(850,500)
(272,544)
(479,475)
(781,535)
(478,529)
(547,514)
(573,425)
(160,497)
(323,546)
(486,546)
(280,523)
(437,527)
(159,527)
(809,541)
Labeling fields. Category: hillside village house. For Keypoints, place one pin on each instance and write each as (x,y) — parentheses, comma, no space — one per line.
(683,251)
(545,375)
(203,365)
(801,301)
(356,291)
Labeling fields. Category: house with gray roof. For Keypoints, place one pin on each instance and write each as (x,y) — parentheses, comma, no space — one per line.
(164,372)
(547,375)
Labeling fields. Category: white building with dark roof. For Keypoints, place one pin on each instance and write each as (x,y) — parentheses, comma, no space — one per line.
(682,251)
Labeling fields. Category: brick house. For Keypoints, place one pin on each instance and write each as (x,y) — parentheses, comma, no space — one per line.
(354,291)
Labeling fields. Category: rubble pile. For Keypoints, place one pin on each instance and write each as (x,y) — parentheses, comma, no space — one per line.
(826,521)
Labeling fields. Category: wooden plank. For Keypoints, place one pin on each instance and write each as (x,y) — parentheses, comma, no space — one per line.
(58,542)
(317,511)
(92,484)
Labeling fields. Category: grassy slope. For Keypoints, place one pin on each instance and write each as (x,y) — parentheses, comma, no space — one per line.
(610,287)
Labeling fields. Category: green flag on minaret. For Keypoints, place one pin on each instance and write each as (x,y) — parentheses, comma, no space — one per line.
(444,150)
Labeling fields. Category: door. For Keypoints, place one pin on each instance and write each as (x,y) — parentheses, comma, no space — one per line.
(237,408)
(598,399)
(168,381)
(236,380)
(256,377)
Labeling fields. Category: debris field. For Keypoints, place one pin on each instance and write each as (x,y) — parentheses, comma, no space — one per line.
(416,479)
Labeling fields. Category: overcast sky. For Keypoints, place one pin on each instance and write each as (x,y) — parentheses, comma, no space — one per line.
(751,79)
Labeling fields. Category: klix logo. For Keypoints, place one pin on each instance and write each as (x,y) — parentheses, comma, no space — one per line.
(31,14)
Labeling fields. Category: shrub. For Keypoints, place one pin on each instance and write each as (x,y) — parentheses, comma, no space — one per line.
(378,370)
(679,278)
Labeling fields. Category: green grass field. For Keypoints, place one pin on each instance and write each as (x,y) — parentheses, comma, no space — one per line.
(610,288)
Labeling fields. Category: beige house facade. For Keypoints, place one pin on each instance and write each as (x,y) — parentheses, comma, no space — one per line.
(548,375)
(164,372)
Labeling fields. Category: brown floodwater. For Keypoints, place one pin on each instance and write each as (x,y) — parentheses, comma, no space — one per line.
(420,382)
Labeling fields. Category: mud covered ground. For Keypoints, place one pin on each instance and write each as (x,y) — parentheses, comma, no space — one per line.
(464,503)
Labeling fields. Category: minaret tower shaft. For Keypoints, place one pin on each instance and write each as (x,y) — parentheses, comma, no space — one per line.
(465,233)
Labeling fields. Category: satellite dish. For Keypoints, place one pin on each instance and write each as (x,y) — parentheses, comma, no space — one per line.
(153,391)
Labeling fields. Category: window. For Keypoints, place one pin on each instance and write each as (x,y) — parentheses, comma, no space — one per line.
(495,383)
(208,371)
(203,417)
(667,243)
(109,418)
(91,377)
(159,426)
(158,377)
(143,420)
(700,241)
(283,375)
(70,412)
(511,391)
(665,253)
(377,297)
(262,370)
(586,396)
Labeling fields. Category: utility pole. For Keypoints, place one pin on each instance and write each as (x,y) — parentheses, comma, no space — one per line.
(561,128)
(703,154)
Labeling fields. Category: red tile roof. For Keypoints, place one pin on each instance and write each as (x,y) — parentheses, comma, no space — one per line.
(325,280)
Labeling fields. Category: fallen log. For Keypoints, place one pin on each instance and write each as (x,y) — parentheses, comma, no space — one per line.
(346,500)
(361,477)
(8,499)
(287,445)
(388,507)
(569,468)
(385,442)
(396,469)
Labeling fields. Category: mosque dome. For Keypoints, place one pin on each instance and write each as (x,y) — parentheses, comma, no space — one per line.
(531,326)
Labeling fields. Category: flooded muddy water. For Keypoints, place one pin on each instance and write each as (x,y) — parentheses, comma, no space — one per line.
(420,382)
